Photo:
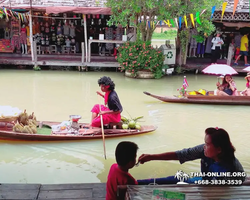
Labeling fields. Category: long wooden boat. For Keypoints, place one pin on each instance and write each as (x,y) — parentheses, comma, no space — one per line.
(209,98)
(84,134)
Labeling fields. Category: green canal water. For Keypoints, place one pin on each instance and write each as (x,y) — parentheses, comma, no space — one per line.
(54,95)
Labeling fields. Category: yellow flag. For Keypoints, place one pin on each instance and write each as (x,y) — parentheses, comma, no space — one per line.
(192,19)
(224,5)
(185,20)
(167,23)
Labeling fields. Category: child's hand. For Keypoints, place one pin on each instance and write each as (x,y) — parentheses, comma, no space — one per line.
(218,84)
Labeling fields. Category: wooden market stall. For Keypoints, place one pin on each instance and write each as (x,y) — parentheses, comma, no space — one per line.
(91,17)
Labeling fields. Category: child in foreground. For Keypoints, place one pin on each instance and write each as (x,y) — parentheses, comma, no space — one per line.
(125,155)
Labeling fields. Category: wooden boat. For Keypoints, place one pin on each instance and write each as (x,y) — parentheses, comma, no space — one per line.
(209,98)
(6,133)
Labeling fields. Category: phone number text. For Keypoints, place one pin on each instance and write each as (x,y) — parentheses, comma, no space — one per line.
(218,182)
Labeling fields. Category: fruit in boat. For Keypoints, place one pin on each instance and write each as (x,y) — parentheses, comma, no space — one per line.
(138,126)
(125,126)
(131,124)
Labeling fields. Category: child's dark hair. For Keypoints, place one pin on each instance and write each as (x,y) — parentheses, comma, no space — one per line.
(107,81)
(125,152)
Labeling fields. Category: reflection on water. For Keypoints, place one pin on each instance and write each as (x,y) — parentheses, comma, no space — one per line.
(54,95)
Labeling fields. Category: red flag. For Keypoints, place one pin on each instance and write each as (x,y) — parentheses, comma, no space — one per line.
(185,83)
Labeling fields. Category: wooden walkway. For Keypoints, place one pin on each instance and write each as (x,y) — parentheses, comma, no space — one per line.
(58,60)
(201,63)
(97,191)
(96,61)
(88,191)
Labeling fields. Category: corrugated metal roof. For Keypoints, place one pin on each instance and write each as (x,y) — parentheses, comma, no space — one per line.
(46,3)
(242,6)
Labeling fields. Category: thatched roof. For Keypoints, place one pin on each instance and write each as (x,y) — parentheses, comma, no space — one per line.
(48,3)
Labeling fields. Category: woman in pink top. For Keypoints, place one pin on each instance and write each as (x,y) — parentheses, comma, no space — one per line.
(246,92)
(112,108)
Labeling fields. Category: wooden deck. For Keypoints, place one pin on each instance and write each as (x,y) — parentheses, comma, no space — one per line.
(88,191)
(96,61)
(58,60)
(201,63)
(97,191)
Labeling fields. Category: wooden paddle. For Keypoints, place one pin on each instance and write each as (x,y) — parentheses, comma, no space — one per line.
(103,136)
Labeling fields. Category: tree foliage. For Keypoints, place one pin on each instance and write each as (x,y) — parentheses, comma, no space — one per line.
(141,12)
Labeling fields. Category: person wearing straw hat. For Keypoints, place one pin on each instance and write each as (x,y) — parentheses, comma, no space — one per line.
(112,108)
(246,92)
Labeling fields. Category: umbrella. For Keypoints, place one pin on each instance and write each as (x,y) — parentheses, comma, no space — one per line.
(219,69)
(247,69)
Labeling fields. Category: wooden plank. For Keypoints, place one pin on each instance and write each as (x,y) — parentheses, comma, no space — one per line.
(80,199)
(72,186)
(19,186)
(65,194)
(99,192)
(19,194)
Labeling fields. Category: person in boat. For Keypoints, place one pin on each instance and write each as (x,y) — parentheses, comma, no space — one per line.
(227,88)
(125,155)
(112,108)
(246,92)
(217,155)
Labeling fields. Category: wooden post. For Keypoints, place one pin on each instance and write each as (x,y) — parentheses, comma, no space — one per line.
(83,52)
(31,36)
(85,37)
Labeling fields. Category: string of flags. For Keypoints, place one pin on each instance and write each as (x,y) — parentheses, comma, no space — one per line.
(177,22)
(24,17)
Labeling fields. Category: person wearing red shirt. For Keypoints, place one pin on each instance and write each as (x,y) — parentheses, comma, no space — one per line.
(125,154)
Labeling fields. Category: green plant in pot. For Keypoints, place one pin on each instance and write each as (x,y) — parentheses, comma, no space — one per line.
(140,56)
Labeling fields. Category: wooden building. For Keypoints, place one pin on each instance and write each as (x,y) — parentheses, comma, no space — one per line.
(240,18)
(89,12)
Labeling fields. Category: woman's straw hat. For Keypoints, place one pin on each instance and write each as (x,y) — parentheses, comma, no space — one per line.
(248,75)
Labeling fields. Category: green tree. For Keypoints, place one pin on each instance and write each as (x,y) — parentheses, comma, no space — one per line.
(141,12)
